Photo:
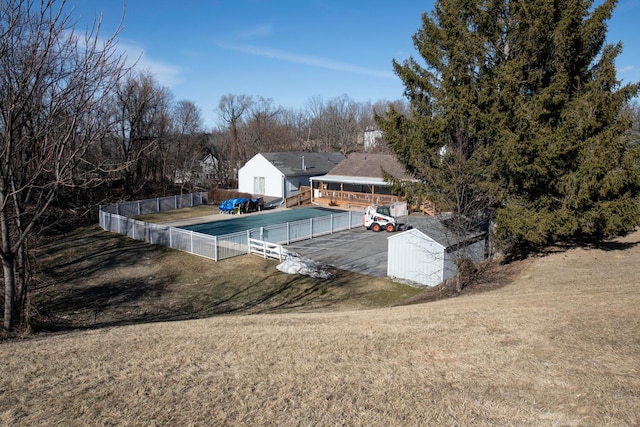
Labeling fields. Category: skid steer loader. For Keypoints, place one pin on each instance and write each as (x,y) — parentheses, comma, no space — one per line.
(377,218)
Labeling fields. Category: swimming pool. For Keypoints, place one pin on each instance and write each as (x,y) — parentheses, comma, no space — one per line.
(247,222)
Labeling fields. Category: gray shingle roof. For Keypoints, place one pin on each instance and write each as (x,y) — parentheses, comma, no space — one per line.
(301,163)
(370,165)
(436,228)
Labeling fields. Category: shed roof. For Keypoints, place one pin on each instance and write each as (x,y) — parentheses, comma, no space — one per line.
(443,233)
(302,163)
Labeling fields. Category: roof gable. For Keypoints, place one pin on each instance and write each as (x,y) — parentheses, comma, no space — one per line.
(303,163)
(417,232)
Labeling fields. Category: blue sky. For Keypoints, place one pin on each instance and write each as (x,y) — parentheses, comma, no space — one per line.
(288,50)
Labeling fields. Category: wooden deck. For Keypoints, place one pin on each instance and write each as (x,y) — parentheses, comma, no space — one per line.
(347,200)
(350,199)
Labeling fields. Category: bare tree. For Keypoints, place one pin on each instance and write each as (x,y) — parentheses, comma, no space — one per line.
(140,117)
(231,110)
(265,130)
(298,124)
(158,169)
(186,148)
(335,124)
(54,84)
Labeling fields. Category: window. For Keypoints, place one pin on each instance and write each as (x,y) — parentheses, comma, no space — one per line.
(258,185)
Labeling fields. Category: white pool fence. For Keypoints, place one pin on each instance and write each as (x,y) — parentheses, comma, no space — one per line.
(116,218)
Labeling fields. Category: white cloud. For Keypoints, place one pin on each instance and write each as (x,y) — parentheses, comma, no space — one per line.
(313,61)
(259,31)
(629,69)
(167,74)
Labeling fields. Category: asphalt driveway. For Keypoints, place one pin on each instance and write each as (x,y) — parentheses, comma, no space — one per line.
(359,250)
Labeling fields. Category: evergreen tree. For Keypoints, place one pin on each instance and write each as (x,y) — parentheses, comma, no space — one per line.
(443,140)
(517,113)
(560,154)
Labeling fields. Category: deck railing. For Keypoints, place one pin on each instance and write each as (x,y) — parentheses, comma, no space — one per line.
(355,198)
(303,196)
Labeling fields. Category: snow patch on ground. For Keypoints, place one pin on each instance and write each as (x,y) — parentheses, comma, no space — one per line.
(295,264)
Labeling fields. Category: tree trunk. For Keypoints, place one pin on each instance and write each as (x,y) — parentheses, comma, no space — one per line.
(8,266)
(8,272)
(8,269)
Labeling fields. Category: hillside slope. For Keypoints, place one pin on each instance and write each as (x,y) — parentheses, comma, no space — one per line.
(558,346)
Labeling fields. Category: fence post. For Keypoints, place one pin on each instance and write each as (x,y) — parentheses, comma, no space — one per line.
(261,233)
(215,248)
(249,241)
(331,224)
(310,228)
(175,202)
(191,240)
(288,234)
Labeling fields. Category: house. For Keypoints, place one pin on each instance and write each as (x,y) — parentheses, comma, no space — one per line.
(357,181)
(202,173)
(428,252)
(372,138)
(209,165)
(281,175)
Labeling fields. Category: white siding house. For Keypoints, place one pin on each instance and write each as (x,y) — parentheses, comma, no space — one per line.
(281,174)
(426,254)
(201,173)
(372,138)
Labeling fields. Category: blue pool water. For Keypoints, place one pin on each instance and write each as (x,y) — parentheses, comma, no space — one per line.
(247,222)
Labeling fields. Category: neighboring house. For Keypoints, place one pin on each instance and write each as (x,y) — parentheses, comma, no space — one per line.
(358,182)
(201,173)
(427,253)
(209,166)
(372,138)
(280,175)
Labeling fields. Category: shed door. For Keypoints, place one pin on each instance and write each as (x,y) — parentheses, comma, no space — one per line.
(258,185)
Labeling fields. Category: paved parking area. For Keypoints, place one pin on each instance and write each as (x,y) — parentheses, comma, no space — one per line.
(358,250)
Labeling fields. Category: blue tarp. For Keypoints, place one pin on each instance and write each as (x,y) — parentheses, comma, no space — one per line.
(228,205)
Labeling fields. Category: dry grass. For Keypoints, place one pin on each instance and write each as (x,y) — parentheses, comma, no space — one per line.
(167,216)
(91,278)
(558,346)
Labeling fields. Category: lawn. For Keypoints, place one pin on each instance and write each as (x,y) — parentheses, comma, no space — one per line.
(557,345)
(91,278)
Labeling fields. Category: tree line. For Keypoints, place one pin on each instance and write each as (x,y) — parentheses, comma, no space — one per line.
(252,124)
(152,138)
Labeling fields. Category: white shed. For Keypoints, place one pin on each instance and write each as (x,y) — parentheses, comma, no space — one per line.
(426,254)
(281,174)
